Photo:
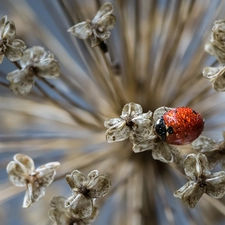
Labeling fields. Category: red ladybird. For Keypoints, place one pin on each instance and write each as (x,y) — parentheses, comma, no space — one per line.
(180,126)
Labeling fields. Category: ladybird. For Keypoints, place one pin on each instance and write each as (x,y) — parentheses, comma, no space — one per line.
(179,126)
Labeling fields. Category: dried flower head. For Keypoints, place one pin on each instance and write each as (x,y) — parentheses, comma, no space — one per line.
(132,124)
(9,46)
(84,191)
(35,62)
(61,215)
(201,181)
(99,28)
(217,76)
(215,152)
(22,173)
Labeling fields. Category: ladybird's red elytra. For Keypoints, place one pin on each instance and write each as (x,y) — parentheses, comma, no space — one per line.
(179,126)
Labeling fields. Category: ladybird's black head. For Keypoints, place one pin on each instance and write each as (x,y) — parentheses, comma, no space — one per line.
(160,128)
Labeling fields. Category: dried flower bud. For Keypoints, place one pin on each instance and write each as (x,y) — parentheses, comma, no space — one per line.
(61,215)
(217,76)
(99,28)
(22,173)
(201,181)
(35,62)
(9,46)
(132,124)
(84,191)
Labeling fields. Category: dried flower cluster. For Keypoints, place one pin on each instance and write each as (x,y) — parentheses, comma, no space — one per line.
(80,208)
(36,62)
(98,29)
(22,173)
(216,47)
(201,181)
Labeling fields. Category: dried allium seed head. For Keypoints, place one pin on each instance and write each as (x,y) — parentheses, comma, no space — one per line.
(201,181)
(132,124)
(35,62)
(84,191)
(23,173)
(61,215)
(99,28)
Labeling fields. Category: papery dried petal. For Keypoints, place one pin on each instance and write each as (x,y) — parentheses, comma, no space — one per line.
(143,146)
(142,128)
(57,212)
(219,83)
(203,144)
(131,110)
(195,165)
(92,175)
(13,54)
(213,158)
(18,44)
(162,152)
(81,30)
(118,132)
(216,185)
(9,31)
(18,174)
(32,55)
(76,179)
(94,215)
(21,81)
(81,206)
(50,165)
(104,10)
(210,73)
(106,23)
(99,186)
(3,22)
(112,122)
(190,193)
(45,176)
(38,190)
(27,201)
(48,68)
(26,161)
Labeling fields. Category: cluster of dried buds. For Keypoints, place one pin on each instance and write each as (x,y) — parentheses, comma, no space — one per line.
(34,62)
(80,208)
(216,47)
(139,127)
